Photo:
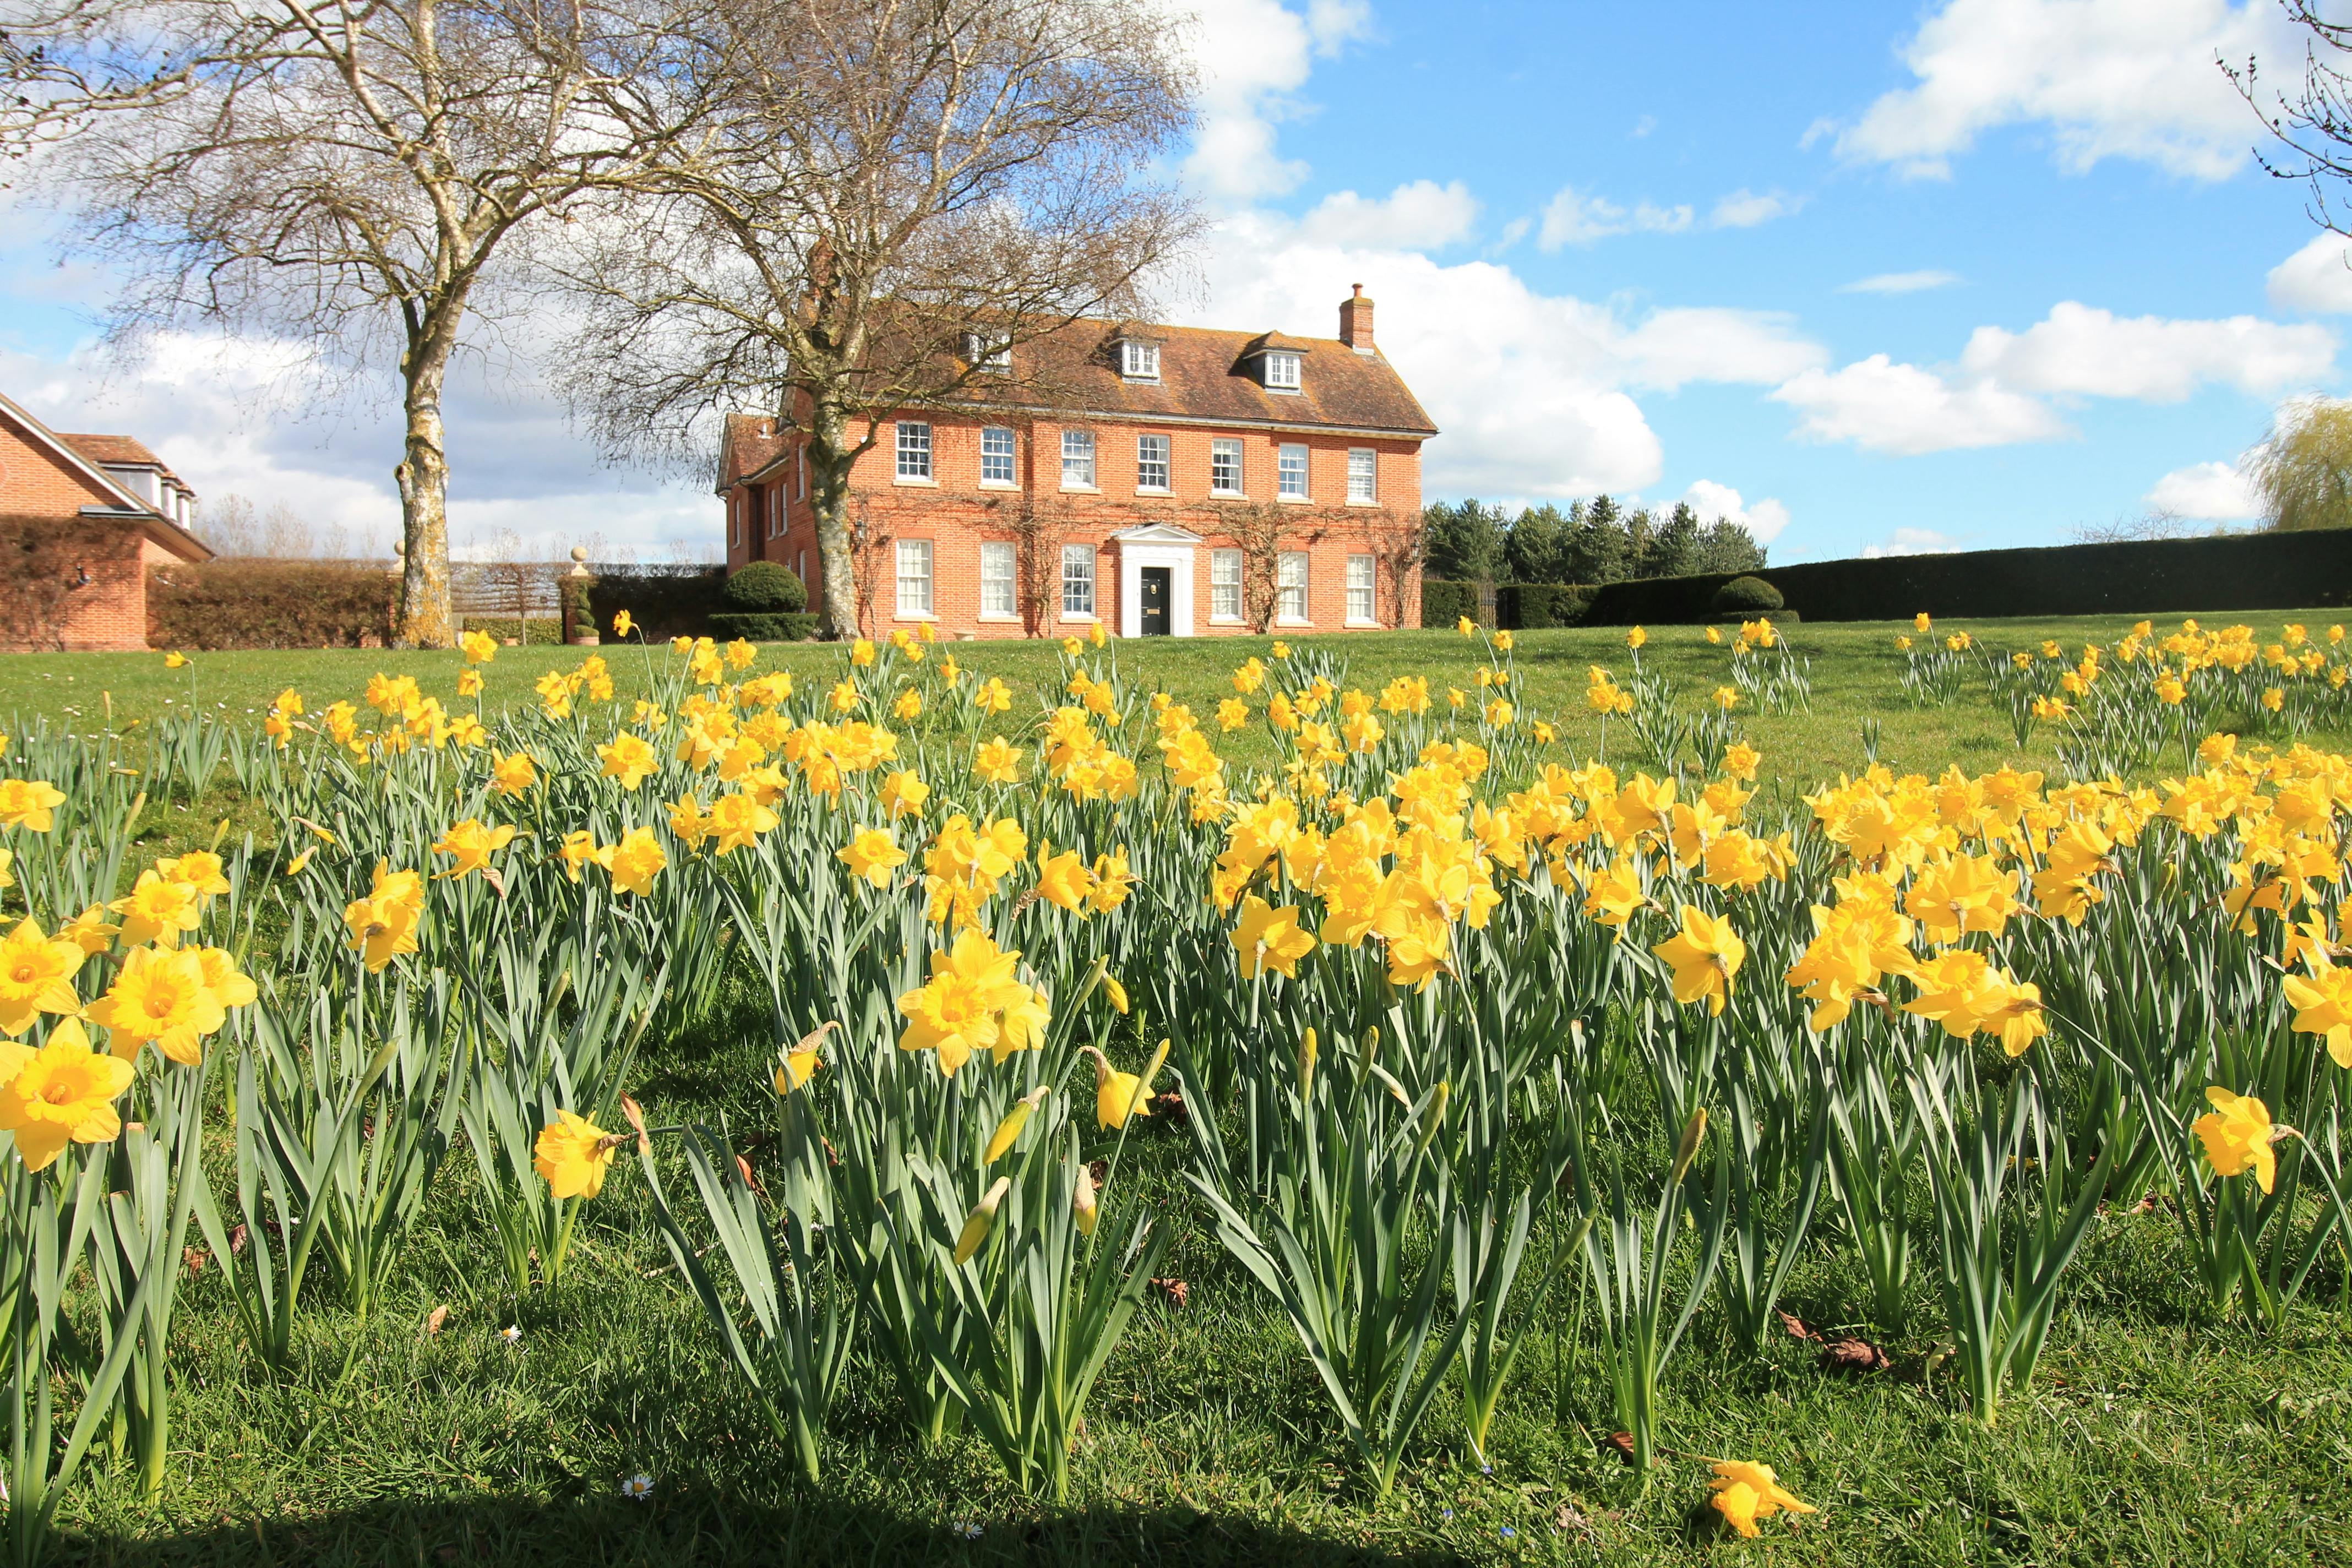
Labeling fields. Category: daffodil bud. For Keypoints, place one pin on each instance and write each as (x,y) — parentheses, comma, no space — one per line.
(1434,1118)
(1306,1063)
(1009,1130)
(1693,1133)
(980,1221)
(1082,1202)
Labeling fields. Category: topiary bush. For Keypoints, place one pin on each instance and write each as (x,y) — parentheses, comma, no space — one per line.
(765,587)
(1749,594)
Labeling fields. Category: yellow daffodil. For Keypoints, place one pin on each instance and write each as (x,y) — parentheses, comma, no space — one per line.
(36,975)
(2323,1003)
(29,804)
(1704,955)
(62,1093)
(472,844)
(1270,938)
(2237,1133)
(477,647)
(162,995)
(872,855)
(384,924)
(571,1155)
(514,774)
(635,861)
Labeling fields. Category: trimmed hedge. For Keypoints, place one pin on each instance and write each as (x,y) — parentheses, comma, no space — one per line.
(1444,603)
(539,631)
(1533,605)
(763,626)
(256,604)
(664,600)
(2138,577)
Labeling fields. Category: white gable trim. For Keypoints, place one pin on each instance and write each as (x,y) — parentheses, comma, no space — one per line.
(48,440)
(1157,534)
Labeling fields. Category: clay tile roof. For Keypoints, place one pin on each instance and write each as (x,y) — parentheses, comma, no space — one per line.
(1210,375)
(121,451)
(750,444)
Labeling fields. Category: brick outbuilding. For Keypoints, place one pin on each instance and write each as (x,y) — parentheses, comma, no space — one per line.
(81,519)
(1179,480)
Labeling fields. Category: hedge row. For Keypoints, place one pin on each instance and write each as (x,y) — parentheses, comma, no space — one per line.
(1517,604)
(2139,577)
(664,600)
(251,604)
(763,626)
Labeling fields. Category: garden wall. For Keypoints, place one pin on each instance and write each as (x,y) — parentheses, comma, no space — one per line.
(2140,577)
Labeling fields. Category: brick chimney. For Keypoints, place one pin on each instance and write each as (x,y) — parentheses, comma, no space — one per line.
(1356,321)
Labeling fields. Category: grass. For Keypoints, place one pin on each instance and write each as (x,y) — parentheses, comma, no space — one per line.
(1857,670)
(2153,1434)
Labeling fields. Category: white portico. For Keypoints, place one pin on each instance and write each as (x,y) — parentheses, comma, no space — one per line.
(1164,598)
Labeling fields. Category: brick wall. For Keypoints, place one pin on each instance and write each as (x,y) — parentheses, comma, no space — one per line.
(957,513)
(110,611)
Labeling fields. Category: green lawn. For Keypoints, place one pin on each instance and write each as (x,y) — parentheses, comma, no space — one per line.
(2153,1434)
(1856,671)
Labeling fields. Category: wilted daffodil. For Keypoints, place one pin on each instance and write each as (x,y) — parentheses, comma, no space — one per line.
(62,1093)
(572,1155)
(1746,1492)
(2237,1133)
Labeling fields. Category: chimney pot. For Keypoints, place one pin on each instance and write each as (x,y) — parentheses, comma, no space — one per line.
(1356,321)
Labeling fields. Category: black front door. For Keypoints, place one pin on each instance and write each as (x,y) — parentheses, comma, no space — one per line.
(1155,601)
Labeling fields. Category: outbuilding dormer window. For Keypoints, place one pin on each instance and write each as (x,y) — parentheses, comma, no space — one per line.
(1281,371)
(981,354)
(1138,359)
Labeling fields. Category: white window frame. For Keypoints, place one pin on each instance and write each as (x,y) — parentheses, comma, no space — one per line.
(775,510)
(1078,458)
(1363,476)
(1227,447)
(1292,572)
(734,519)
(979,356)
(914,447)
(1078,582)
(915,597)
(1139,361)
(1000,581)
(1283,471)
(1364,591)
(1283,370)
(1010,456)
(803,466)
(1146,461)
(1225,608)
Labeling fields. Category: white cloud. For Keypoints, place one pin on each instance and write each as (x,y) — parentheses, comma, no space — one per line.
(2079,349)
(2206,492)
(2317,279)
(1422,216)
(1765,519)
(1745,208)
(1883,406)
(1571,219)
(2111,79)
(1251,54)
(1534,391)
(1912,541)
(1672,347)
(1901,282)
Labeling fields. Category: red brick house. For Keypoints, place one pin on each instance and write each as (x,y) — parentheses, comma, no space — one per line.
(1178,482)
(81,519)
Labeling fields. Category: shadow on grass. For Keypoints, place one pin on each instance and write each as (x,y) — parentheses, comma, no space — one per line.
(693,1528)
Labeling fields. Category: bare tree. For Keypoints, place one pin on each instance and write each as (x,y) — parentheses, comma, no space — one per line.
(897,197)
(1400,543)
(350,173)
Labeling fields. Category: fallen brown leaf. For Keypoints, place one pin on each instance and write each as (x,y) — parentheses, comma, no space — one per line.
(1177,1291)
(1797,1329)
(434,1319)
(1623,1442)
(1852,1357)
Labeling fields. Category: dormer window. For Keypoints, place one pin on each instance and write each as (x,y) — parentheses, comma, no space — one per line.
(1282,371)
(981,354)
(1139,361)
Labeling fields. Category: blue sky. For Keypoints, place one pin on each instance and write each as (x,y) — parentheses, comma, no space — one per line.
(1972,273)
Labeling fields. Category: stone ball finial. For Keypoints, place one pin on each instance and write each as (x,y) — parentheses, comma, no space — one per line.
(580,553)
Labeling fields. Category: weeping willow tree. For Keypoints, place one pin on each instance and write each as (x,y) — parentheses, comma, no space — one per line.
(2303,471)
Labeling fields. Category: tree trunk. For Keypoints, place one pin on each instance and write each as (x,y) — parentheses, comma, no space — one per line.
(423,479)
(836,553)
